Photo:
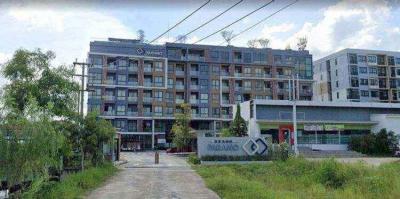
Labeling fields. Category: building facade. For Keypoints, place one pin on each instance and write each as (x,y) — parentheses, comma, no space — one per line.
(320,125)
(139,87)
(358,75)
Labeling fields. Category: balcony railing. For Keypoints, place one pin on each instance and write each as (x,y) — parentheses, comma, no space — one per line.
(225,87)
(179,86)
(203,115)
(179,101)
(195,115)
(132,99)
(225,101)
(147,114)
(238,89)
(133,68)
(110,82)
(238,74)
(148,84)
(112,67)
(225,73)
(132,83)
(194,101)
(109,97)
(194,72)
(247,88)
(194,87)
(195,57)
(121,97)
(108,113)
(179,72)
(158,114)
(148,99)
(236,60)
(94,97)
(132,113)
(226,116)
(148,69)
(121,113)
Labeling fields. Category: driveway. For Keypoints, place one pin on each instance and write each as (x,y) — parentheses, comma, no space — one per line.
(141,178)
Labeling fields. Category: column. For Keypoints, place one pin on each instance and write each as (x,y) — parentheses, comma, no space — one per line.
(152,134)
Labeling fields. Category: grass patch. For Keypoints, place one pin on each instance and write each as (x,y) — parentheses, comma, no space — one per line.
(299,178)
(77,184)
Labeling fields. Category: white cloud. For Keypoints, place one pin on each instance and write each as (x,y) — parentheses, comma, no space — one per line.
(347,24)
(4,57)
(67,32)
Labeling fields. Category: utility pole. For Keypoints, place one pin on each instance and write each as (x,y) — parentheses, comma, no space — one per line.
(295,87)
(81,99)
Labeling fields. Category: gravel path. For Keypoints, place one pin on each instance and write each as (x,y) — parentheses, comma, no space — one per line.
(141,178)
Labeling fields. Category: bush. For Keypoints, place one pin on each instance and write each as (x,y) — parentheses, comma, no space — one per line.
(381,143)
(194,159)
(74,185)
(235,158)
(279,152)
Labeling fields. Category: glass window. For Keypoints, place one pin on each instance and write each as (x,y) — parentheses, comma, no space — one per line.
(390,60)
(363,70)
(158,81)
(215,84)
(373,70)
(364,82)
(214,54)
(374,93)
(362,58)
(158,66)
(364,93)
(203,84)
(158,95)
(372,59)
(204,98)
(353,58)
(398,61)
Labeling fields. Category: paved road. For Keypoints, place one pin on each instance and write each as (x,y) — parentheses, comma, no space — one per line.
(141,178)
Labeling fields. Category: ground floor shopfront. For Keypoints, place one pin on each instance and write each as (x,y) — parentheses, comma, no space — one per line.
(323,126)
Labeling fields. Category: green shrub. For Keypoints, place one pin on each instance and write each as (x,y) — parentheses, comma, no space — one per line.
(194,159)
(74,185)
(331,174)
(235,158)
(381,143)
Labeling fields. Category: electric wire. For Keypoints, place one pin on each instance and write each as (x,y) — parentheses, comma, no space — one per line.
(252,12)
(202,25)
(155,39)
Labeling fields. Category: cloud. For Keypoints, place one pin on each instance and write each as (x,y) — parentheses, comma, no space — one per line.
(347,24)
(67,32)
(4,57)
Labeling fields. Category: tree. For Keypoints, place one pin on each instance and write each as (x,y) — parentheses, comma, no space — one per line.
(288,47)
(31,76)
(302,43)
(140,35)
(227,35)
(263,42)
(183,134)
(238,127)
(226,132)
(181,38)
(252,43)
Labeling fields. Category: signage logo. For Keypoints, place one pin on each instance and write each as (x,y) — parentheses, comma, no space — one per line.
(140,51)
(148,52)
(255,146)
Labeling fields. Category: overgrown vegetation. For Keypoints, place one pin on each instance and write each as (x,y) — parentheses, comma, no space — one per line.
(381,143)
(182,132)
(40,131)
(74,185)
(299,178)
(238,127)
(193,159)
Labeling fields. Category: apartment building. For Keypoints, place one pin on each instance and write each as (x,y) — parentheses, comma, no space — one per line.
(358,75)
(139,87)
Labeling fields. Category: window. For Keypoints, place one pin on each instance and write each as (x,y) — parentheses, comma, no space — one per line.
(215,69)
(364,82)
(158,110)
(247,84)
(97,62)
(247,70)
(336,61)
(215,84)
(353,58)
(277,59)
(397,61)
(373,70)
(337,95)
(204,69)
(158,66)
(215,97)
(204,84)
(158,81)
(121,110)
(170,83)
(362,59)
(121,94)
(364,93)
(337,84)
(119,124)
(336,73)
(373,82)
(158,95)
(372,59)
(216,111)
(354,70)
(354,82)
(121,79)
(374,93)
(363,70)
(204,111)
(239,99)
(224,56)
(94,108)
(204,98)
(260,97)
(390,60)
(214,55)
(170,110)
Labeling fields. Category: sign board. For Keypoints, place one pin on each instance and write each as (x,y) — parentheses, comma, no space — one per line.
(161,141)
(313,127)
(334,127)
(231,146)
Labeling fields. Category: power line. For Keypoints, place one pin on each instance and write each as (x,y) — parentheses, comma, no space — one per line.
(180,21)
(234,22)
(262,20)
(202,25)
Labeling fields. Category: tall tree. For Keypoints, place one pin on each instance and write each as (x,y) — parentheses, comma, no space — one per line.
(227,35)
(183,134)
(252,43)
(238,126)
(263,42)
(140,35)
(302,43)
(31,76)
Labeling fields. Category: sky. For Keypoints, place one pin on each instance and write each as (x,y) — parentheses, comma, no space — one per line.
(67,27)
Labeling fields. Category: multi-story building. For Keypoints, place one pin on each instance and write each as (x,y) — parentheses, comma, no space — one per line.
(358,75)
(139,87)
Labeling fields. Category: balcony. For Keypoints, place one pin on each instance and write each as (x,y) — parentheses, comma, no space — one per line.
(147,70)
(147,99)
(180,72)
(248,75)
(179,101)
(94,81)
(110,82)
(120,113)
(192,57)
(133,68)
(122,68)
(133,83)
(121,97)
(238,74)
(224,116)
(225,101)
(112,67)
(180,86)
(225,87)
(204,115)
(225,73)
(108,113)
(194,73)
(147,114)
(194,101)
(194,87)
(283,76)
(132,99)
(108,98)
(247,88)
(306,92)
(94,97)
(238,89)
(195,115)
(148,84)
(236,60)
(158,114)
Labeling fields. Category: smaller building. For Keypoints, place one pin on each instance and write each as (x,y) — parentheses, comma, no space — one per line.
(320,125)
(358,75)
